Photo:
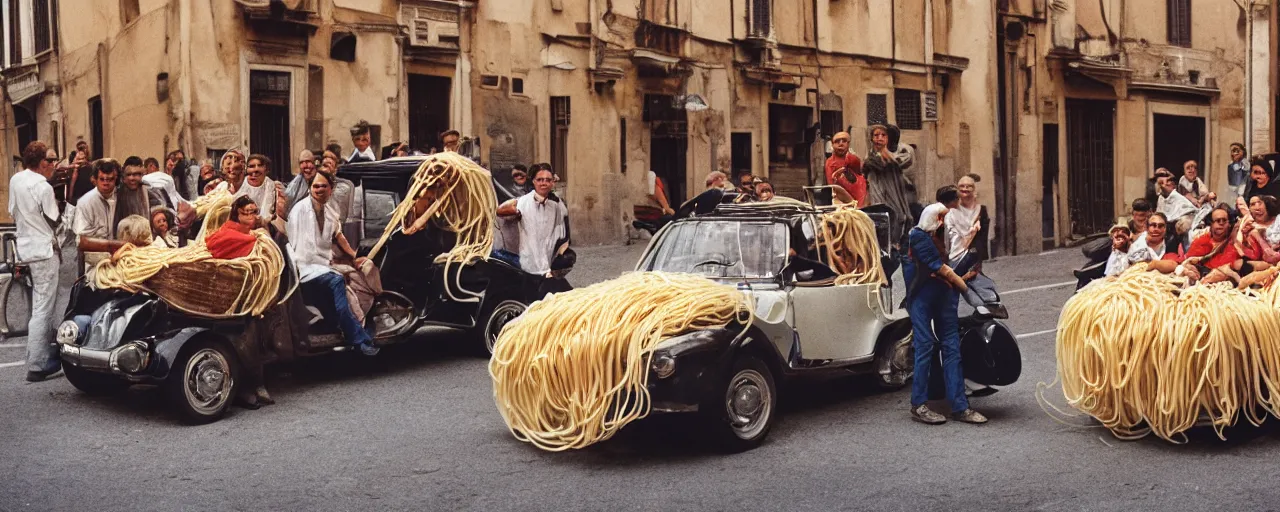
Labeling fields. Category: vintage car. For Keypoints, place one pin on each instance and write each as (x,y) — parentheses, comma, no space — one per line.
(804,324)
(112,339)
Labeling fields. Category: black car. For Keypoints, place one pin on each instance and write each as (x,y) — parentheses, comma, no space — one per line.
(112,339)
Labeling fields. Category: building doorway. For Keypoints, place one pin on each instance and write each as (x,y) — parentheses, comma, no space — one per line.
(1176,139)
(668,145)
(789,166)
(25,124)
(1091,159)
(740,154)
(1049,183)
(428,110)
(269,118)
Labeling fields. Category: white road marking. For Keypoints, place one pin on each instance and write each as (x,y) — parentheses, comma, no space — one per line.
(1041,287)
(15,363)
(1037,333)
(13,345)
(1048,253)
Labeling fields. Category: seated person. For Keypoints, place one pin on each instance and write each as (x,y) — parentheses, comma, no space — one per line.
(162,222)
(1118,262)
(1212,257)
(1138,222)
(1259,233)
(235,239)
(313,234)
(543,225)
(1150,246)
(133,231)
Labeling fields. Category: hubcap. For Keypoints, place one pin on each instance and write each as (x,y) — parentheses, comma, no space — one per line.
(208,381)
(748,402)
(501,316)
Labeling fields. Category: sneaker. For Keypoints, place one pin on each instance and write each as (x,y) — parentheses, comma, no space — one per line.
(368,349)
(42,376)
(970,416)
(923,414)
(264,397)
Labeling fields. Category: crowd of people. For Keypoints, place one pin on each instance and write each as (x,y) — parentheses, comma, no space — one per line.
(1188,232)
(72,213)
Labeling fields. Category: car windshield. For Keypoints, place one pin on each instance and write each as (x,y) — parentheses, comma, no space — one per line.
(378,205)
(722,249)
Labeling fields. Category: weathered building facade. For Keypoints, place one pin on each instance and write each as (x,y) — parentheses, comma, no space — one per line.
(1096,95)
(1063,106)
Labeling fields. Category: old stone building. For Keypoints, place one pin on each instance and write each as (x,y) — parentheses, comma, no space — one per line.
(1063,106)
(1096,95)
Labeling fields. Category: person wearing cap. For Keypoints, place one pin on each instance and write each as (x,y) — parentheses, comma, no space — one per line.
(1120,240)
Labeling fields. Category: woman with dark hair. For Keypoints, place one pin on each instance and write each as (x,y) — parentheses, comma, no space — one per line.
(1262,181)
(235,239)
(1259,233)
(162,228)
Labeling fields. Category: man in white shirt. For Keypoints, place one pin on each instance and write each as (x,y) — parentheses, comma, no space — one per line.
(1175,207)
(35,212)
(544,231)
(1150,246)
(94,224)
(1119,260)
(265,192)
(360,138)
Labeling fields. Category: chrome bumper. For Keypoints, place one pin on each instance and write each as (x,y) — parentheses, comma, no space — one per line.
(87,358)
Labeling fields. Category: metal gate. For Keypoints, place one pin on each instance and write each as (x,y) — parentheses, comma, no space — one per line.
(1091,165)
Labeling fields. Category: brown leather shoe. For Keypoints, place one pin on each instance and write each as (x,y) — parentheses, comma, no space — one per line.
(923,414)
(970,416)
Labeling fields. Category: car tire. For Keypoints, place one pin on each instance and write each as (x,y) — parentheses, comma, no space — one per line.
(93,383)
(490,323)
(202,381)
(742,408)
(894,363)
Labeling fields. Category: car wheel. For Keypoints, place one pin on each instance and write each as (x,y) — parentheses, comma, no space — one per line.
(202,381)
(92,383)
(743,409)
(492,321)
(894,363)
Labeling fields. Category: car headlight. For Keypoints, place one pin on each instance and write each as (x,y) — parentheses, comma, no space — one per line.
(663,365)
(68,333)
(130,358)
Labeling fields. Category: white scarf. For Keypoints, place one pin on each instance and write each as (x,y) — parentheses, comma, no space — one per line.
(311,251)
(164,182)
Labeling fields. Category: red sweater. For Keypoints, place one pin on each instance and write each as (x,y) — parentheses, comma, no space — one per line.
(856,188)
(229,243)
(1204,245)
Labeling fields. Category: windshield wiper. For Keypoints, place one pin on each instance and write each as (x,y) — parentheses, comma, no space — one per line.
(715,262)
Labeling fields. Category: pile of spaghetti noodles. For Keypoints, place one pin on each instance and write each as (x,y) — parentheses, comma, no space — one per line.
(849,238)
(253,294)
(574,368)
(457,195)
(1143,355)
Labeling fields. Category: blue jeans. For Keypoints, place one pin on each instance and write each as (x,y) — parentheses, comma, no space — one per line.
(328,293)
(934,309)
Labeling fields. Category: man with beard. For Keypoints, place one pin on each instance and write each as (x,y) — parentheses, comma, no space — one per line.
(135,197)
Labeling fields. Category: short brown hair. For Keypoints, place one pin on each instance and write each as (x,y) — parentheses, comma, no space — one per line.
(34,154)
(266,161)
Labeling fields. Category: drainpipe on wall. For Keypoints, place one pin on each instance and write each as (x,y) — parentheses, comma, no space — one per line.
(184,40)
(1248,76)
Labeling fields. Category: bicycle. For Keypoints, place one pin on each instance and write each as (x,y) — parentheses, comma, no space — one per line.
(15,291)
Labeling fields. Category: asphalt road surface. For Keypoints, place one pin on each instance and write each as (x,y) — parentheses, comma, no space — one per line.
(417,430)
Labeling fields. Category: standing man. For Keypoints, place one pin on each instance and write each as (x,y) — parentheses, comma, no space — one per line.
(35,212)
(451,140)
(300,187)
(361,140)
(94,225)
(845,169)
(1237,173)
(544,227)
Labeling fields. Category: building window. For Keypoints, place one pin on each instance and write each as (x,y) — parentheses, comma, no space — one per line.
(906,108)
(1179,21)
(42,29)
(15,32)
(517,86)
(95,126)
(877,109)
(787,124)
(560,135)
(832,122)
(129,11)
(761,22)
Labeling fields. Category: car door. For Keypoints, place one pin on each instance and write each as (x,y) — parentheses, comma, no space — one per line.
(837,322)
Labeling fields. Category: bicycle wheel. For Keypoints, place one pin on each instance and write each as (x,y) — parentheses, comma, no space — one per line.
(15,306)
